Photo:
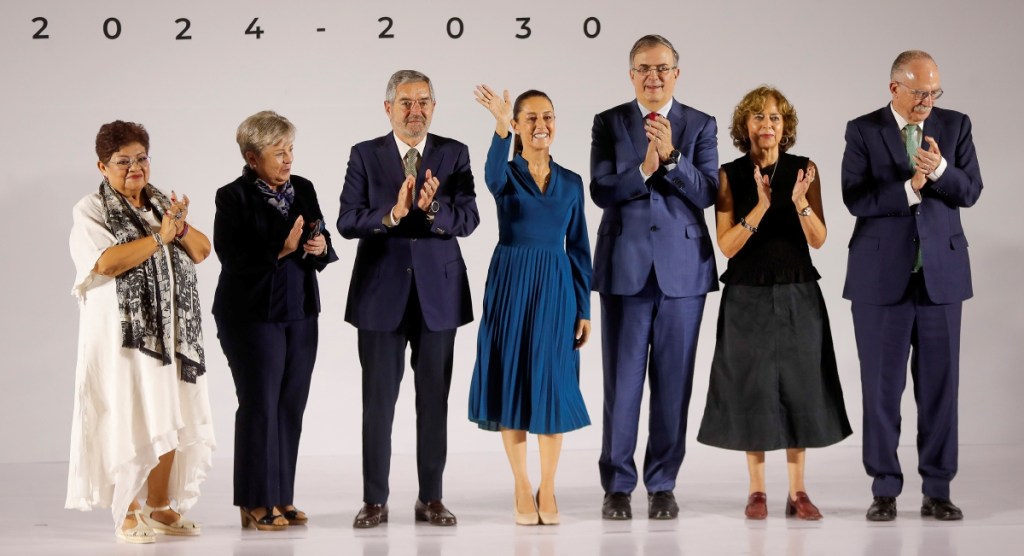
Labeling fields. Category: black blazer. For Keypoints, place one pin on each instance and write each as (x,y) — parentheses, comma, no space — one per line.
(248,234)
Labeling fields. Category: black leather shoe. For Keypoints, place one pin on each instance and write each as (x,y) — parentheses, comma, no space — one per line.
(883,508)
(371,515)
(434,513)
(662,505)
(942,510)
(616,506)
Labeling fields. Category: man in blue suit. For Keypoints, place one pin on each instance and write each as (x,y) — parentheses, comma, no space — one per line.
(908,169)
(654,169)
(407,196)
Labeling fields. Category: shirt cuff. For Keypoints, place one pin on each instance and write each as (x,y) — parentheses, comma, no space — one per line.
(643,175)
(389,219)
(937,172)
(913,197)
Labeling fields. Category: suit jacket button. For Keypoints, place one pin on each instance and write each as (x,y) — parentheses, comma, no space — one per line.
(413,239)
(408,271)
(440,230)
(654,228)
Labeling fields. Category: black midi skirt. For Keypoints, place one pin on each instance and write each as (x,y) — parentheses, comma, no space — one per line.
(774,382)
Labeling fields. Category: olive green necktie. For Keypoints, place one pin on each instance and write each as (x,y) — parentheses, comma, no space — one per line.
(411,162)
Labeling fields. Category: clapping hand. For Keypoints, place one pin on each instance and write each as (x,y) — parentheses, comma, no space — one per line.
(803,183)
(764,188)
(427,191)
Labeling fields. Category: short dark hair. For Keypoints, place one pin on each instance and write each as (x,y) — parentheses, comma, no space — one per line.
(517,107)
(117,134)
(650,41)
(752,103)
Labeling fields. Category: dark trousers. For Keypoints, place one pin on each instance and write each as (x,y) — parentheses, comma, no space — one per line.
(271,364)
(382,356)
(930,335)
(647,334)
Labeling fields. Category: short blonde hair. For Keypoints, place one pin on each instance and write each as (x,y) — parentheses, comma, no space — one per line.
(262,130)
(752,103)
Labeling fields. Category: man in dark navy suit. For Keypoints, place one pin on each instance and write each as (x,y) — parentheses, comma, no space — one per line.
(407,196)
(654,169)
(908,169)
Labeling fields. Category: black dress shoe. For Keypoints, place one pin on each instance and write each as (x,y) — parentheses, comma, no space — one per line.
(883,508)
(942,510)
(371,515)
(616,506)
(662,505)
(434,513)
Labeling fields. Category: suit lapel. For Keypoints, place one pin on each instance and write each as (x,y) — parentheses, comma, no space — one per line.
(432,157)
(678,120)
(892,138)
(932,128)
(634,124)
(390,163)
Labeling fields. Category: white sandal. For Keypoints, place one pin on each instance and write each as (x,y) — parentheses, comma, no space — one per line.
(182,527)
(140,534)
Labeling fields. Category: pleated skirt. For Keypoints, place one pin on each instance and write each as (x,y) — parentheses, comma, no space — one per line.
(526,375)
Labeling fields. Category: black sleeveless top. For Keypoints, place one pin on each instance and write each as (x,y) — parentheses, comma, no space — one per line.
(778,252)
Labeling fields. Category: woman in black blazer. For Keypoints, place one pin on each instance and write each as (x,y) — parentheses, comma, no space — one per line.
(271,242)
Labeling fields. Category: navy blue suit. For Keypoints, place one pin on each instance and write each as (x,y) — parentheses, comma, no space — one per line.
(653,265)
(898,313)
(409,286)
(266,312)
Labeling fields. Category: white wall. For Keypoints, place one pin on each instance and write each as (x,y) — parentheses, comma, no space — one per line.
(831,59)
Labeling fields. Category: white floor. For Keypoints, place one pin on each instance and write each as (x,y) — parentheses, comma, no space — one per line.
(711,492)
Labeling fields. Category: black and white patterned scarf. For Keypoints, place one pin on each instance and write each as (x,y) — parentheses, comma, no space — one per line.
(144,292)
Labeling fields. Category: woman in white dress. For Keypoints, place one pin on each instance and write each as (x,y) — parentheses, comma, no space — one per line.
(142,426)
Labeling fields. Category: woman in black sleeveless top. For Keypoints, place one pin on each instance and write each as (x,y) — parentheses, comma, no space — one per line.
(774,382)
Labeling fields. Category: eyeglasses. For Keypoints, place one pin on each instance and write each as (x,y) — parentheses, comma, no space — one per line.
(127,163)
(662,71)
(922,95)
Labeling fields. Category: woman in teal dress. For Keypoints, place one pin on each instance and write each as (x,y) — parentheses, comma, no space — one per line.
(536,301)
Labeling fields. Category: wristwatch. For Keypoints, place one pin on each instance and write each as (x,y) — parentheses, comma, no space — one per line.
(434,206)
(806,211)
(673,157)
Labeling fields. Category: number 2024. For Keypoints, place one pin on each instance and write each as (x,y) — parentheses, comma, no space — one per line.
(455,28)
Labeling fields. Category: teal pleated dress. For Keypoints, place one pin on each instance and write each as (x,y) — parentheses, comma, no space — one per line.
(526,375)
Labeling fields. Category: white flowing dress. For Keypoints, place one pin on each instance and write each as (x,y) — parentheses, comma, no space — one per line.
(129,408)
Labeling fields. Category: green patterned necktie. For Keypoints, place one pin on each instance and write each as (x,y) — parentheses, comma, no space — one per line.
(912,139)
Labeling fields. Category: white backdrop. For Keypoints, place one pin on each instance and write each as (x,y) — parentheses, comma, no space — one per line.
(830,59)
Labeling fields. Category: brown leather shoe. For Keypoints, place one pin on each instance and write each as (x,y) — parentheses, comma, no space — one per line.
(434,513)
(371,515)
(802,507)
(757,506)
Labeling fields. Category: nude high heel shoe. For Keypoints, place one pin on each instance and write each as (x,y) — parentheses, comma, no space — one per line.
(527,518)
(547,518)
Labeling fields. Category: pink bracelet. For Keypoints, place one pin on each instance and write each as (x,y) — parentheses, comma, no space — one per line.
(184,231)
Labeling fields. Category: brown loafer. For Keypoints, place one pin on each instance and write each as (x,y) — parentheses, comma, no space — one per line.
(371,515)
(757,506)
(802,507)
(434,513)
